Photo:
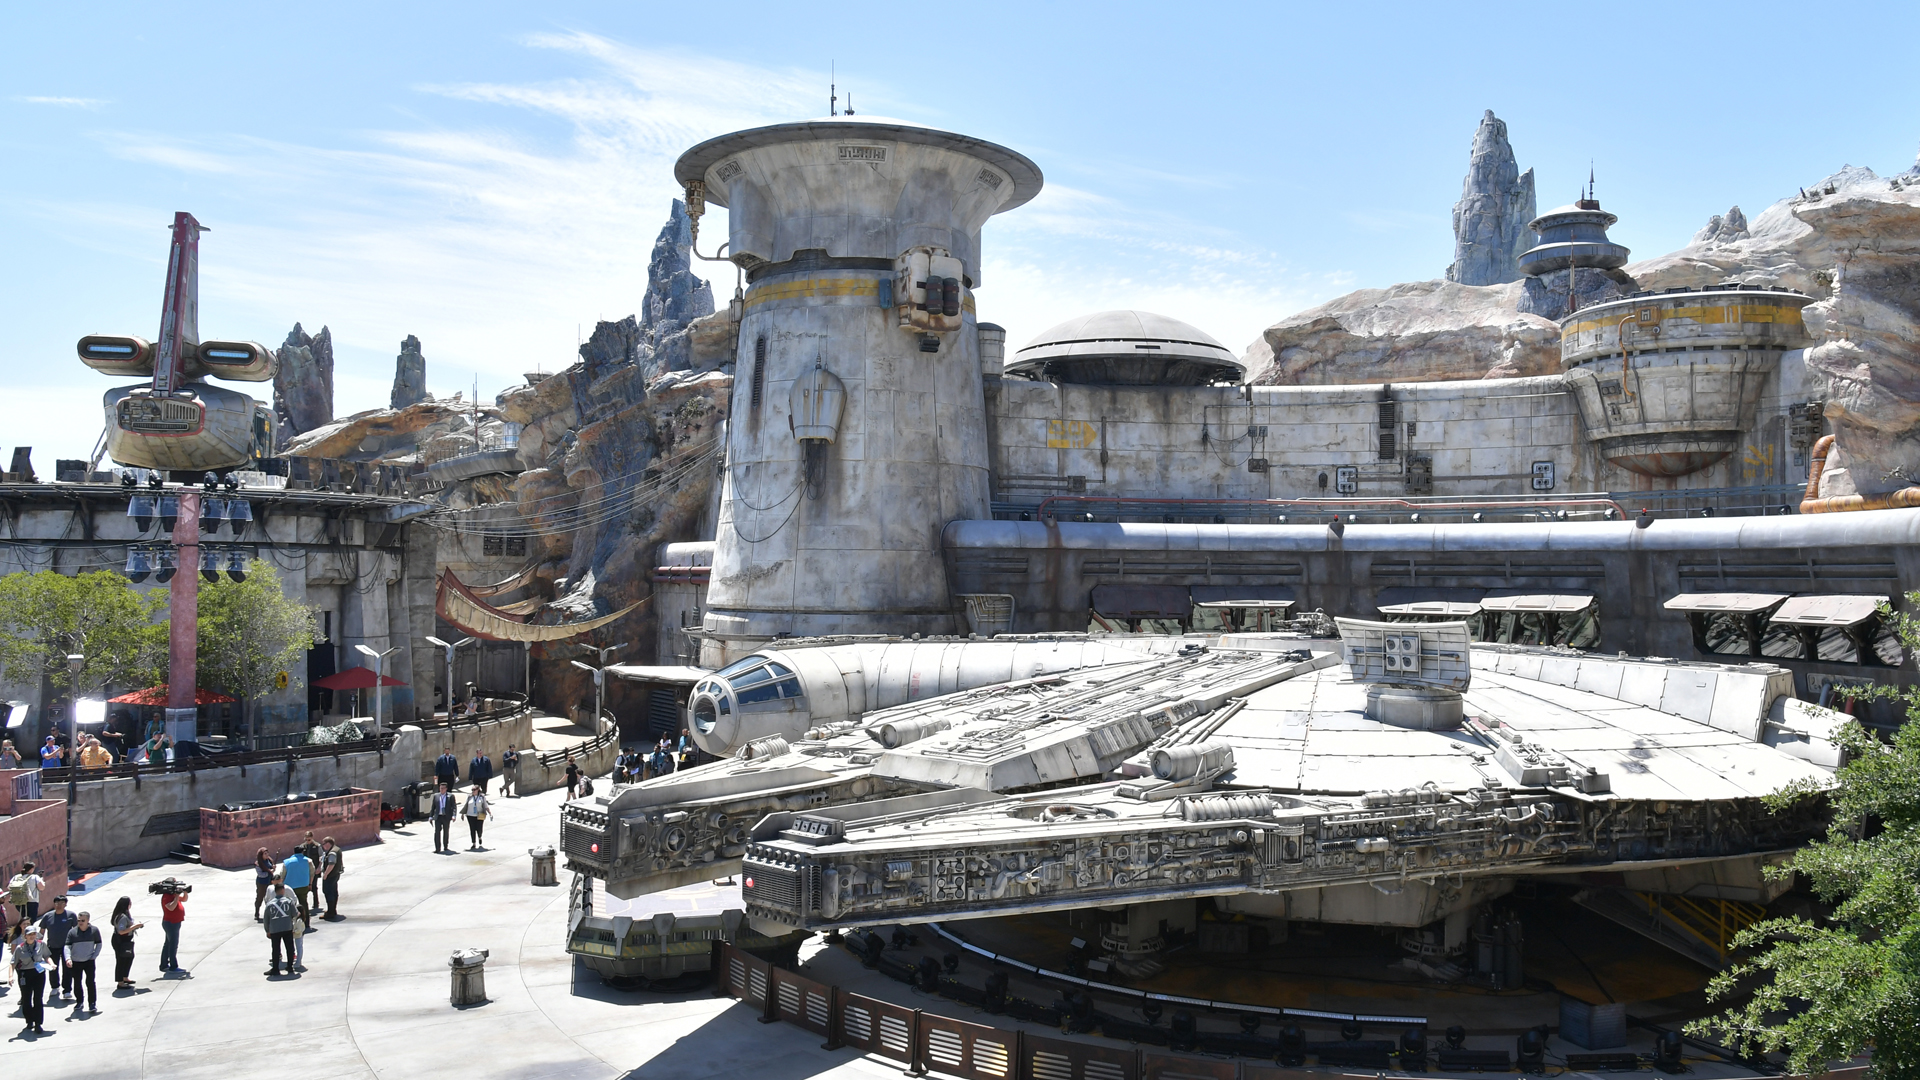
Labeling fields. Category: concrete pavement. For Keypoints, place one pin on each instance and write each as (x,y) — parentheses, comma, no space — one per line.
(374,1001)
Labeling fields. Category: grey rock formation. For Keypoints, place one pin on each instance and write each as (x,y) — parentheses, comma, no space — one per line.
(303,383)
(1546,295)
(675,297)
(1417,332)
(409,375)
(1723,229)
(1496,203)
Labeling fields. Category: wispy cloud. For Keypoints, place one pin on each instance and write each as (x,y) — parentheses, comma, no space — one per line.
(62,102)
(494,241)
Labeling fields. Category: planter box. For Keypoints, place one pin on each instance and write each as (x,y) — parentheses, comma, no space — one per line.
(229,839)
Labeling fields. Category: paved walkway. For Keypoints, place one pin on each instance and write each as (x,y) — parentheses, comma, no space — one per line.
(374,1002)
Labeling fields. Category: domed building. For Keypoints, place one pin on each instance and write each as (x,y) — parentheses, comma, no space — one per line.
(1127,348)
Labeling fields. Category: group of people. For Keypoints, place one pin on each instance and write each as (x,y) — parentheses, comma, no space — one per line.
(52,955)
(480,772)
(638,763)
(93,753)
(287,893)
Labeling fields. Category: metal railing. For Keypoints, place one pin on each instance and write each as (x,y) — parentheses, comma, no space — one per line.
(512,703)
(929,1043)
(553,759)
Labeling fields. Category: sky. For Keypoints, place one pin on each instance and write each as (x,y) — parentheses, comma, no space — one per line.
(490,177)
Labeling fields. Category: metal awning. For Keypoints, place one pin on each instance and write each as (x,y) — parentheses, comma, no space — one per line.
(1262,605)
(1828,610)
(1557,603)
(672,674)
(1142,601)
(1244,595)
(1730,603)
(1439,609)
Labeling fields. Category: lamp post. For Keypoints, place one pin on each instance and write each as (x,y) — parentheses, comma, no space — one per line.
(379,676)
(599,681)
(75,661)
(450,647)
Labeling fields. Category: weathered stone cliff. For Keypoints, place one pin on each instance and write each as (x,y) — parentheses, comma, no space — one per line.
(1496,203)
(1416,332)
(615,456)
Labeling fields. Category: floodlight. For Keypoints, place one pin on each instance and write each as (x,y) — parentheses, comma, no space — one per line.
(164,565)
(17,713)
(138,567)
(141,508)
(212,512)
(239,515)
(236,565)
(210,563)
(88,711)
(169,512)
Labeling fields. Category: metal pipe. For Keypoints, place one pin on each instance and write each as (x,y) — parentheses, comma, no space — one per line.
(1511,503)
(1834,504)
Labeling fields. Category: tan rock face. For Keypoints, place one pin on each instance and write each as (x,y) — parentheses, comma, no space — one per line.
(384,434)
(1417,332)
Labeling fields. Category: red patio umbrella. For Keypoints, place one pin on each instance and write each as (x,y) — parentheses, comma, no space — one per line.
(157,695)
(355,678)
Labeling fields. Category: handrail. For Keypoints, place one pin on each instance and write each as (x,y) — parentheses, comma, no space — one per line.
(123,770)
(516,704)
(554,758)
(1337,504)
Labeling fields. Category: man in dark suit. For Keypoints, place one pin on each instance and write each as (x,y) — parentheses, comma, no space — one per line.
(446,767)
(444,807)
(480,769)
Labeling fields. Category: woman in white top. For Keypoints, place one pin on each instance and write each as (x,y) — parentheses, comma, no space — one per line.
(476,810)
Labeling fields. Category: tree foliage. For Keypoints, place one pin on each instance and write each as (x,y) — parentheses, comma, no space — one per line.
(1828,990)
(46,615)
(250,632)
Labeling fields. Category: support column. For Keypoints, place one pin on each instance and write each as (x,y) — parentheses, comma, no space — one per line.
(183,631)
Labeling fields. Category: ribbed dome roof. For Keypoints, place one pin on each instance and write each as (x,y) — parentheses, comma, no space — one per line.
(1127,348)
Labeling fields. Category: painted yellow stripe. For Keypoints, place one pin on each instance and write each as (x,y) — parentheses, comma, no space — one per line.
(805,288)
(1768,313)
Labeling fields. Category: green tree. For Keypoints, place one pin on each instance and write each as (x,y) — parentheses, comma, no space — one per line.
(250,632)
(46,615)
(1824,991)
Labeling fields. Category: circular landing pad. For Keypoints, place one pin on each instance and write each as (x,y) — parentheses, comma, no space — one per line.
(1567,950)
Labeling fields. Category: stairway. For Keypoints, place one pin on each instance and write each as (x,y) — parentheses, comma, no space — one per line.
(1700,929)
(186,852)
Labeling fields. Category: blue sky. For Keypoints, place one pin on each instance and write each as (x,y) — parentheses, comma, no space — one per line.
(490,177)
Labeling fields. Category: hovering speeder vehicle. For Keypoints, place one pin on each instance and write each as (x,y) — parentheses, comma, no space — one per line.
(177,421)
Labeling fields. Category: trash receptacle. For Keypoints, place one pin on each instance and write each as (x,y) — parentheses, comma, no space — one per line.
(422,805)
(469,968)
(543,871)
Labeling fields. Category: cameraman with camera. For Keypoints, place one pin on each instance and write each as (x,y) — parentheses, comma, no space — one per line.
(173,911)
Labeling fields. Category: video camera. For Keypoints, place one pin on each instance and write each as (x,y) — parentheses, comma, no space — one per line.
(170,887)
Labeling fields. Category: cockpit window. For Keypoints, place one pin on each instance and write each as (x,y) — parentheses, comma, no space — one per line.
(770,691)
(740,665)
(749,678)
(703,715)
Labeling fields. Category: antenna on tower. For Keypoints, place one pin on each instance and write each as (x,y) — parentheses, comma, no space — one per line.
(1589,179)
(849,103)
(833,90)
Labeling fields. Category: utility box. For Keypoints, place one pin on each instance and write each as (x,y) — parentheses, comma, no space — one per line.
(469,967)
(929,289)
(1592,1027)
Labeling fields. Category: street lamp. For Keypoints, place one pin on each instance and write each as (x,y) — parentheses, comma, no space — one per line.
(379,676)
(450,646)
(599,681)
(75,661)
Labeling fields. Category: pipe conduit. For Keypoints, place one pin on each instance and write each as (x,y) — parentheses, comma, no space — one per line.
(1834,504)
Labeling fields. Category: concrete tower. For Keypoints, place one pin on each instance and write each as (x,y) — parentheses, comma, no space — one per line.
(858,428)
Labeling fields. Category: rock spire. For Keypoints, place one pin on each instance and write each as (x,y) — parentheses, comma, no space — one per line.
(1496,203)
(409,375)
(303,382)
